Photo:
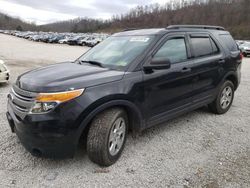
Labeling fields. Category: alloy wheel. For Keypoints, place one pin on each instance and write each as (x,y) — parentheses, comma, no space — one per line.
(116,136)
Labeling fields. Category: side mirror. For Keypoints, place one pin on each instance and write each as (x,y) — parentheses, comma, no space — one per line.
(158,64)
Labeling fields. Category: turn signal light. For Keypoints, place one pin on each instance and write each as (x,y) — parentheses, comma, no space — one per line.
(59,97)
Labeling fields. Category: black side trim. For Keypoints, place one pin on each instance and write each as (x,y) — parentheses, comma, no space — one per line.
(177,112)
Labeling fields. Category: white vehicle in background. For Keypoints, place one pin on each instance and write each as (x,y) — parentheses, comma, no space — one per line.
(4,72)
(63,41)
(93,42)
(86,40)
(245,49)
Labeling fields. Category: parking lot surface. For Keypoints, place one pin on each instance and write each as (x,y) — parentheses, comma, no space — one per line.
(198,149)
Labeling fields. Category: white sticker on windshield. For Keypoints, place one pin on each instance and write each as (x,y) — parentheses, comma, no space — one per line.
(139,39)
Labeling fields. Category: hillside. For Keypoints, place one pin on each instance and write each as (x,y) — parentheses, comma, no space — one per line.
(234,15)
(8,22)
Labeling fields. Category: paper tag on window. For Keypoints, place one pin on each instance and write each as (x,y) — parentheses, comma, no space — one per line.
(139,39)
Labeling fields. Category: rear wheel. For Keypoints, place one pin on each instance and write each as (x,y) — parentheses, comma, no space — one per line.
(224,99)
(107,136)
(244,54)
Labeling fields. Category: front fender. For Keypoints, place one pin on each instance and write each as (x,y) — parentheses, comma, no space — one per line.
(135,116)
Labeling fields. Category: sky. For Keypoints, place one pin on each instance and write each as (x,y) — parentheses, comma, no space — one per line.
(48,11)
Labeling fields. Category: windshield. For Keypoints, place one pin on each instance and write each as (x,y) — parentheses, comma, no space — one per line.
(115,52)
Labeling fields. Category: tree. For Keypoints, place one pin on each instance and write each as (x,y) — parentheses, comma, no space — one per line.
(19,28)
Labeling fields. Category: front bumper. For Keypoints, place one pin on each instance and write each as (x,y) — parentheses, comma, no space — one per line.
(44,135)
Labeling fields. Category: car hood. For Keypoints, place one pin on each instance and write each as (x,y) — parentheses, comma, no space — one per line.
(66,76)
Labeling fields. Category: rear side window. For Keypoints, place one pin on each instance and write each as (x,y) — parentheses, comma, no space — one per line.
(229,42)
(214,46)
(202,46)
(173,49)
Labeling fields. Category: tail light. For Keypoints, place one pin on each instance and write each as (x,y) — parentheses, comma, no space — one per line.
(241,56)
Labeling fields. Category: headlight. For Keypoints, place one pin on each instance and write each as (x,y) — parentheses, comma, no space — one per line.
(47,101)
(41,107)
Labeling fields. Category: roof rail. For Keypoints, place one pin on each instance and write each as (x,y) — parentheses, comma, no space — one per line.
(129,29)
(195,27)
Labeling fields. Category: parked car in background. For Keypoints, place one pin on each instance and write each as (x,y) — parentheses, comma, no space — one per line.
(63,41)
(87,40)
(92,42)
(240,42)
(83,39)
(4,72)
(245,49)
(56,38)
(75,40)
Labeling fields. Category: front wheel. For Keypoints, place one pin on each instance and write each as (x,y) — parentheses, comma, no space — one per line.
(224,99)
(107,136)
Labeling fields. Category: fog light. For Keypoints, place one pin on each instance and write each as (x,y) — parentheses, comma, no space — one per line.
(41,107)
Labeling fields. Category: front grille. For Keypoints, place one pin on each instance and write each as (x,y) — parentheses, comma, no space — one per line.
(21,101)
(24,93)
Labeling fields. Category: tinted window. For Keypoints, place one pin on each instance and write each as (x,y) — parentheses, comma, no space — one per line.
(230,43)
(214,46)
(174,50)
(201,46)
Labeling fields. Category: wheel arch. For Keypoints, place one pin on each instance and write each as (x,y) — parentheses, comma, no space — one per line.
(233,78)
(136,122)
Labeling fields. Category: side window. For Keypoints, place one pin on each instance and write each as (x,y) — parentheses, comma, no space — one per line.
(201,46)
(173,49)
(230,42)
(214,46)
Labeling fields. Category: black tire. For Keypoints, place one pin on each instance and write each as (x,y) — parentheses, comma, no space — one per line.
(98,142)
(244,54)
(216,106)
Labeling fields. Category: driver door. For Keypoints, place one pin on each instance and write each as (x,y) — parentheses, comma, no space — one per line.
(169,91)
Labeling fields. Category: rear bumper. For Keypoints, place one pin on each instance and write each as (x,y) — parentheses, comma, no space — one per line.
(43,137)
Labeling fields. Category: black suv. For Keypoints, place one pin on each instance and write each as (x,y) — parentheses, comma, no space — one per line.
(131,81)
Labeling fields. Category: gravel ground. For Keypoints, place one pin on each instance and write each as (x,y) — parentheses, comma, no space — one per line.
(199,149)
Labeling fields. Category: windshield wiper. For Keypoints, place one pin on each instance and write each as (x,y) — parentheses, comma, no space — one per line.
(91,62)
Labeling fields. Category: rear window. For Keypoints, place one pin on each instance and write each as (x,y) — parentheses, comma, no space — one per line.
(202,46)
(229,42)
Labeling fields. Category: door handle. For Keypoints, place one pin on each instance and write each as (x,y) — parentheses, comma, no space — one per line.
(185,69)
(221,61)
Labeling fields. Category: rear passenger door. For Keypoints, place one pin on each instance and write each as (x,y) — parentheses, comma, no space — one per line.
(208,59)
